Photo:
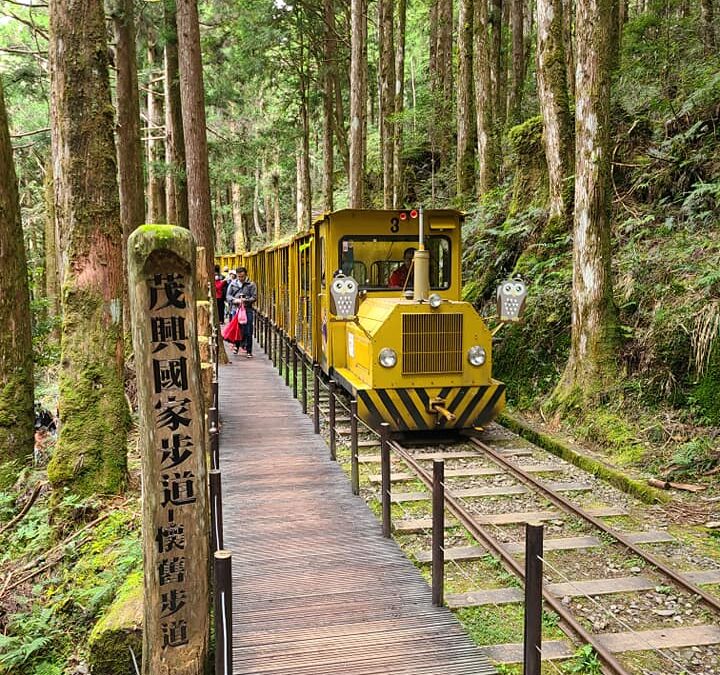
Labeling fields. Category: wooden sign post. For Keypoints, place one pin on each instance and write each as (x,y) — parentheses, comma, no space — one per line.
(161,265)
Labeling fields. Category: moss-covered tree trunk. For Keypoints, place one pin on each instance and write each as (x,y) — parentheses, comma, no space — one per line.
(329,55)
(16,365)
(398,183)
(358,76)
(707,23)
(387,95)
(552,92)
(486,140)
(569,42)
(90,455)
(465,158)
(52,280)
(176,182)
(592,361)
(156,197)
(498,73)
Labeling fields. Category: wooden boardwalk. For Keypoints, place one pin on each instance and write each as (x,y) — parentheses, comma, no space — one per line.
(317,590)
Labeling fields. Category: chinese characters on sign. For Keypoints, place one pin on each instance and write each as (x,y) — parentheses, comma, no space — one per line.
(173,417)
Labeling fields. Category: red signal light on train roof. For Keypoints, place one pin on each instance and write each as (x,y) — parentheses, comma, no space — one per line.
(414,213)
(403,215)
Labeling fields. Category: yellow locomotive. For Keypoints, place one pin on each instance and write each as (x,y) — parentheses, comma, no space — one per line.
(374,297)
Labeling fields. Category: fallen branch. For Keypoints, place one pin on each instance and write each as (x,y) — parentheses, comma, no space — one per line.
(24,510)
(667,484)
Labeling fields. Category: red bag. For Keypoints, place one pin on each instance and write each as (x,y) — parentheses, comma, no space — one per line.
(233,332)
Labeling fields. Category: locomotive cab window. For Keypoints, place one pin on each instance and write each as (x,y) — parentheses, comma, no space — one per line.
(383,262)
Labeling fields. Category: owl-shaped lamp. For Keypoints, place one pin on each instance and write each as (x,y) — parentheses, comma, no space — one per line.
(511,295)
(344,296)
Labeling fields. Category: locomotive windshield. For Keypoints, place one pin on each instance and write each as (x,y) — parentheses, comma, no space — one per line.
(383,262)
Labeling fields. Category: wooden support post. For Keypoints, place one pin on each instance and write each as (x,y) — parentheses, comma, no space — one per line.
(303,376)
(438,532)
(331,417)
(176,606)
(223,613)
(293,344)
(268,346)
(533,599)
(214,433)
(316,397)
(287,360)
(385,482)
(354,469)
(216,510)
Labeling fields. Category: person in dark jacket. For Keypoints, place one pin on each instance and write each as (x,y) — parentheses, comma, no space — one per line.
(243,292)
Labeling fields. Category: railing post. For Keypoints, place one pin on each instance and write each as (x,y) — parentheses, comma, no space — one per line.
(316,397)
(438,532)
(533,599)
(274,345)
(281,351)
(268,346)
(303,376)
(287,359)
(354,472)
(223,613)
(331,417)
(385,478)
(214,433)
(216,511)
(293,344)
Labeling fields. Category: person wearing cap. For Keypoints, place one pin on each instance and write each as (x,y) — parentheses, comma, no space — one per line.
(243,292)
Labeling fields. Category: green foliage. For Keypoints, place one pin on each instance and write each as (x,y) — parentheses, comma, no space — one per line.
(694,457)
(584,662)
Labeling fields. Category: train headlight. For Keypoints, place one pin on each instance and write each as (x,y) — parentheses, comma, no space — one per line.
(435,300)
(476,355)
(387,357)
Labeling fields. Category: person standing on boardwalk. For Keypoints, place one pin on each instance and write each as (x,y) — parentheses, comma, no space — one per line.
(243,293)
(221,284)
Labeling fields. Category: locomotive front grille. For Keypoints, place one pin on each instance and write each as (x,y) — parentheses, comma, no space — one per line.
(432,344)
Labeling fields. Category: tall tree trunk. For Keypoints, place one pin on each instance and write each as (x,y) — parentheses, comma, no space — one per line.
(517,84)
(569,42)
(192,94)
(329,56)
(276,203)
(305,119)
(594,322)
(129,147)
(176,183)
(358,86)
(554,106)
(90,455)
(387,96)
(256,200)
(240,240)
(52,279)
(155,138)
(465,117)
(16,358)
(497,67)
(707,21)
(398,189)
(487,153)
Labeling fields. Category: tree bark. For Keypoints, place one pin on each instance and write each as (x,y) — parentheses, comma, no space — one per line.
(487,154)
(329,56)
(240,238)
(16,358)
(517,84)
(192,95)
(398,183)
(569,43)
(592,359)
(91,452)
(497,66)
(552,94)
(465,174)
(52,280)
(387,96)
(176,183)
(305,119)
(155,143)
(358,87)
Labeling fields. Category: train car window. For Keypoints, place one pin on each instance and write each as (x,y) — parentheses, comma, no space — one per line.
(322,261)
(371,260)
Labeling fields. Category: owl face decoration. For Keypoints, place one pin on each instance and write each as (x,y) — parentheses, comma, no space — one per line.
(343,296)
(511,295)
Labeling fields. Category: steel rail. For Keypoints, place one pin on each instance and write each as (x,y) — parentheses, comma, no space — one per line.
(566,504)
(476,529)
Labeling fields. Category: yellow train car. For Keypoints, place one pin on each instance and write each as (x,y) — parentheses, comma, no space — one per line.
(374,297)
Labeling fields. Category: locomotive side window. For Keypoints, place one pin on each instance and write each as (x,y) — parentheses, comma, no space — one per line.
(371,260)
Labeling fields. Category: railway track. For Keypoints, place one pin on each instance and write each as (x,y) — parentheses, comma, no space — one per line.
(611,581)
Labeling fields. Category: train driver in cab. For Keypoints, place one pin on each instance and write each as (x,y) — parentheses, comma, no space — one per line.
(399,277)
